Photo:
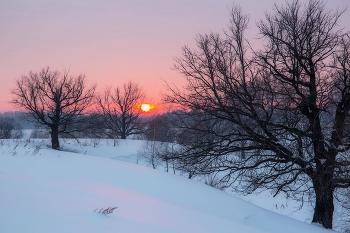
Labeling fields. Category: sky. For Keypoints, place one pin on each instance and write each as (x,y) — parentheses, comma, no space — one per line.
(113,41)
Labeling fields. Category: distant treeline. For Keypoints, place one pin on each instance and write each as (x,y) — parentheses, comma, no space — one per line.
(19,118)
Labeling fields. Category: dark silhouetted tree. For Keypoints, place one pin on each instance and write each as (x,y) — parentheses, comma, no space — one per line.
(119,110)
(286,106)
(54,99)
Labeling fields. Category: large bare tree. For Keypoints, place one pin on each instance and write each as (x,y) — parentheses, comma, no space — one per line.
(53,99)
(284,109)
(119,110)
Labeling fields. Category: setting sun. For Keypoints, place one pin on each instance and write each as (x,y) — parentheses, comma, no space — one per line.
(145,107)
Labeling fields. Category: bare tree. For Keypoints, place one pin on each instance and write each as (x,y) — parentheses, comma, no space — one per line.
(54,99)
(119,110)
(157,152)
(286,106)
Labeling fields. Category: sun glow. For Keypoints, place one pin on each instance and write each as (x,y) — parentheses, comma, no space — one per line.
(146,107)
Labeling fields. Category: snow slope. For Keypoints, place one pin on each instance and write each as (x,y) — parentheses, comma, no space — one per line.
(42,190)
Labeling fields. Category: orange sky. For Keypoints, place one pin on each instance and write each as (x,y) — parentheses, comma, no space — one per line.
(111,41)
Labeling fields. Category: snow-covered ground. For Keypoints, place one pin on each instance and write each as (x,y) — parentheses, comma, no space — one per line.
(43,190)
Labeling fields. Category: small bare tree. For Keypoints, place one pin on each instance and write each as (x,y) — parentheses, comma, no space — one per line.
(119,110)
(53,99)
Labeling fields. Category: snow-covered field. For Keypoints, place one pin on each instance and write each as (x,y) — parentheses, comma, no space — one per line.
(43,190)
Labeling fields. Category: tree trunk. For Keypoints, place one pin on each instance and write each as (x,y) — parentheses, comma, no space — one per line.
(123,133)
(324,206)
(54,138)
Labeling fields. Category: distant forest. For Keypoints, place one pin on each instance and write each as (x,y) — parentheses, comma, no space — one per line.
(18,118)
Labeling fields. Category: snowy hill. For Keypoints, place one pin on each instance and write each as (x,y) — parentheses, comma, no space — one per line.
(42,190)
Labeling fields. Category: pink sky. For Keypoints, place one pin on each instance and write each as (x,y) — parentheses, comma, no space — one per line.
(112,41)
